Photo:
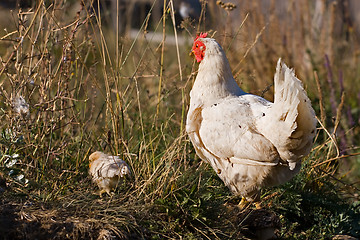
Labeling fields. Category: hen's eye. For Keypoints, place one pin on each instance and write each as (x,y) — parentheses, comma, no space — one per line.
(197,45)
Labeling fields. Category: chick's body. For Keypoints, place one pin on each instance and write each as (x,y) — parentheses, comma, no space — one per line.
(107,170)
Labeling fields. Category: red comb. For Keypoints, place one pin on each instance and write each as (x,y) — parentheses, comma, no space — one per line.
(202,35)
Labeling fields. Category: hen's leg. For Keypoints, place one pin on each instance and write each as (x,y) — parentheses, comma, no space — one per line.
(254,198)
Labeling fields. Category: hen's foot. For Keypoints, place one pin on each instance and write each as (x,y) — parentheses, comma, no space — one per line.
(245,203)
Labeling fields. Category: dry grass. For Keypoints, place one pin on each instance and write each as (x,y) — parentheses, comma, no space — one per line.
(84,88)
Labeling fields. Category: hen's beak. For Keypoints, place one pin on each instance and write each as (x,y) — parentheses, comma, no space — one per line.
(192,54)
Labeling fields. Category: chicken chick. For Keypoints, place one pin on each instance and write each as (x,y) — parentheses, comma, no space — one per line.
(107,170)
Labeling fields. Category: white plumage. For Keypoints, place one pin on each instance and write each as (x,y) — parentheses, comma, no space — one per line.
(107,170)
(249,141)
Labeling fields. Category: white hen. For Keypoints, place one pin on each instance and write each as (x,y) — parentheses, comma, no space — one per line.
(249,141)
(106,170)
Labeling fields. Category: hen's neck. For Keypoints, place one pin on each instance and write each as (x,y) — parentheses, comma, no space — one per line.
(214,80)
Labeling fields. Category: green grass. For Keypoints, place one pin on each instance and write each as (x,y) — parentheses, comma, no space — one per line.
(89,90)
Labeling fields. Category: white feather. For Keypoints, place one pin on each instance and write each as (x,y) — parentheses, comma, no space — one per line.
(249,141)
(106,170)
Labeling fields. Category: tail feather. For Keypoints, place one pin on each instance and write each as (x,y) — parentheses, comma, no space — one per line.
(286,96)
(292,116)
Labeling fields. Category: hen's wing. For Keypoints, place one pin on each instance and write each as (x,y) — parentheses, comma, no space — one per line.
(227,131)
